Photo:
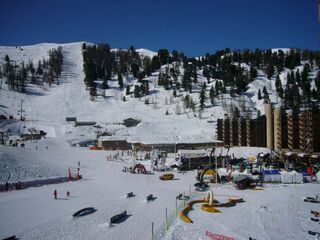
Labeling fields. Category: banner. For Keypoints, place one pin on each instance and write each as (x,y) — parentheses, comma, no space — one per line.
(214,236)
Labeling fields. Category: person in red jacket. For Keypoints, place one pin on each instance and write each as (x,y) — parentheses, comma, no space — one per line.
(309,170)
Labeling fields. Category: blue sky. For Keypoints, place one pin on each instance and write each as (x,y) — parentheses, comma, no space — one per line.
(192,26)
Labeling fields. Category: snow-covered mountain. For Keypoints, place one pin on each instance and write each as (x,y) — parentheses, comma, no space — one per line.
(43,104)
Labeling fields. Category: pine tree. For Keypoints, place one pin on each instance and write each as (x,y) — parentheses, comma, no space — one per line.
(202,98)
(93,92)
(292,77)
(270,71)
(163,55)
(23,77)
(265,94)
(136,92)
(128,90)
(296,96)
(211,95)
(288,98)
(186,80)
(259,95)
(217,87)
(144,89)
(1,75)
(206,73)
(155,65)
(280,63)
(279,88)
(120,80)
(314,94)
(9,72)
(32,71)
(147,65)
(175,55)
(195,75)
(51,77)
(135,69)
(174,93)
(105,84)
(289,79)
(317,81)
(278,82)
(192,104)
(253,73)
(298,77)
(187,101)
(39,69)
(280,91)
(7,66)
(204,86)
(241,82)
(305,83)
(305,74)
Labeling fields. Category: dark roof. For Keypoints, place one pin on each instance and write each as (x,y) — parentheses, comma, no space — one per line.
(131,122)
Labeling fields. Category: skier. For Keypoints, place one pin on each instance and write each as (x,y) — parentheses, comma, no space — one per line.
(68,194)
(18,185)
(55,194)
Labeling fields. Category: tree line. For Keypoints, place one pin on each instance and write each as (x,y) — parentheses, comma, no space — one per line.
(100,63)
(46,72)
(232,72)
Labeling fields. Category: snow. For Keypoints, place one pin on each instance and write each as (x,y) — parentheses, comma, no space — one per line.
(104,186)
(145,52)
(32,213)
(284,50)
(277,212)
(170,132)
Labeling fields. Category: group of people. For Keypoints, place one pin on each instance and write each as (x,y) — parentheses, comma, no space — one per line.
(17,186)
(55,194)
(127,169)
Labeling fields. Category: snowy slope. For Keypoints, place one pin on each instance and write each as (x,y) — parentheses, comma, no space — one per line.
(50,106)
(278,212)
(71,98)
(33,214)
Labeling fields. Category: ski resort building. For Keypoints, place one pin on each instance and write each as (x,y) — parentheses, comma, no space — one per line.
(174,147)
(162,144)
(242,132)
(279,131)
(113,143)
(31,134)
